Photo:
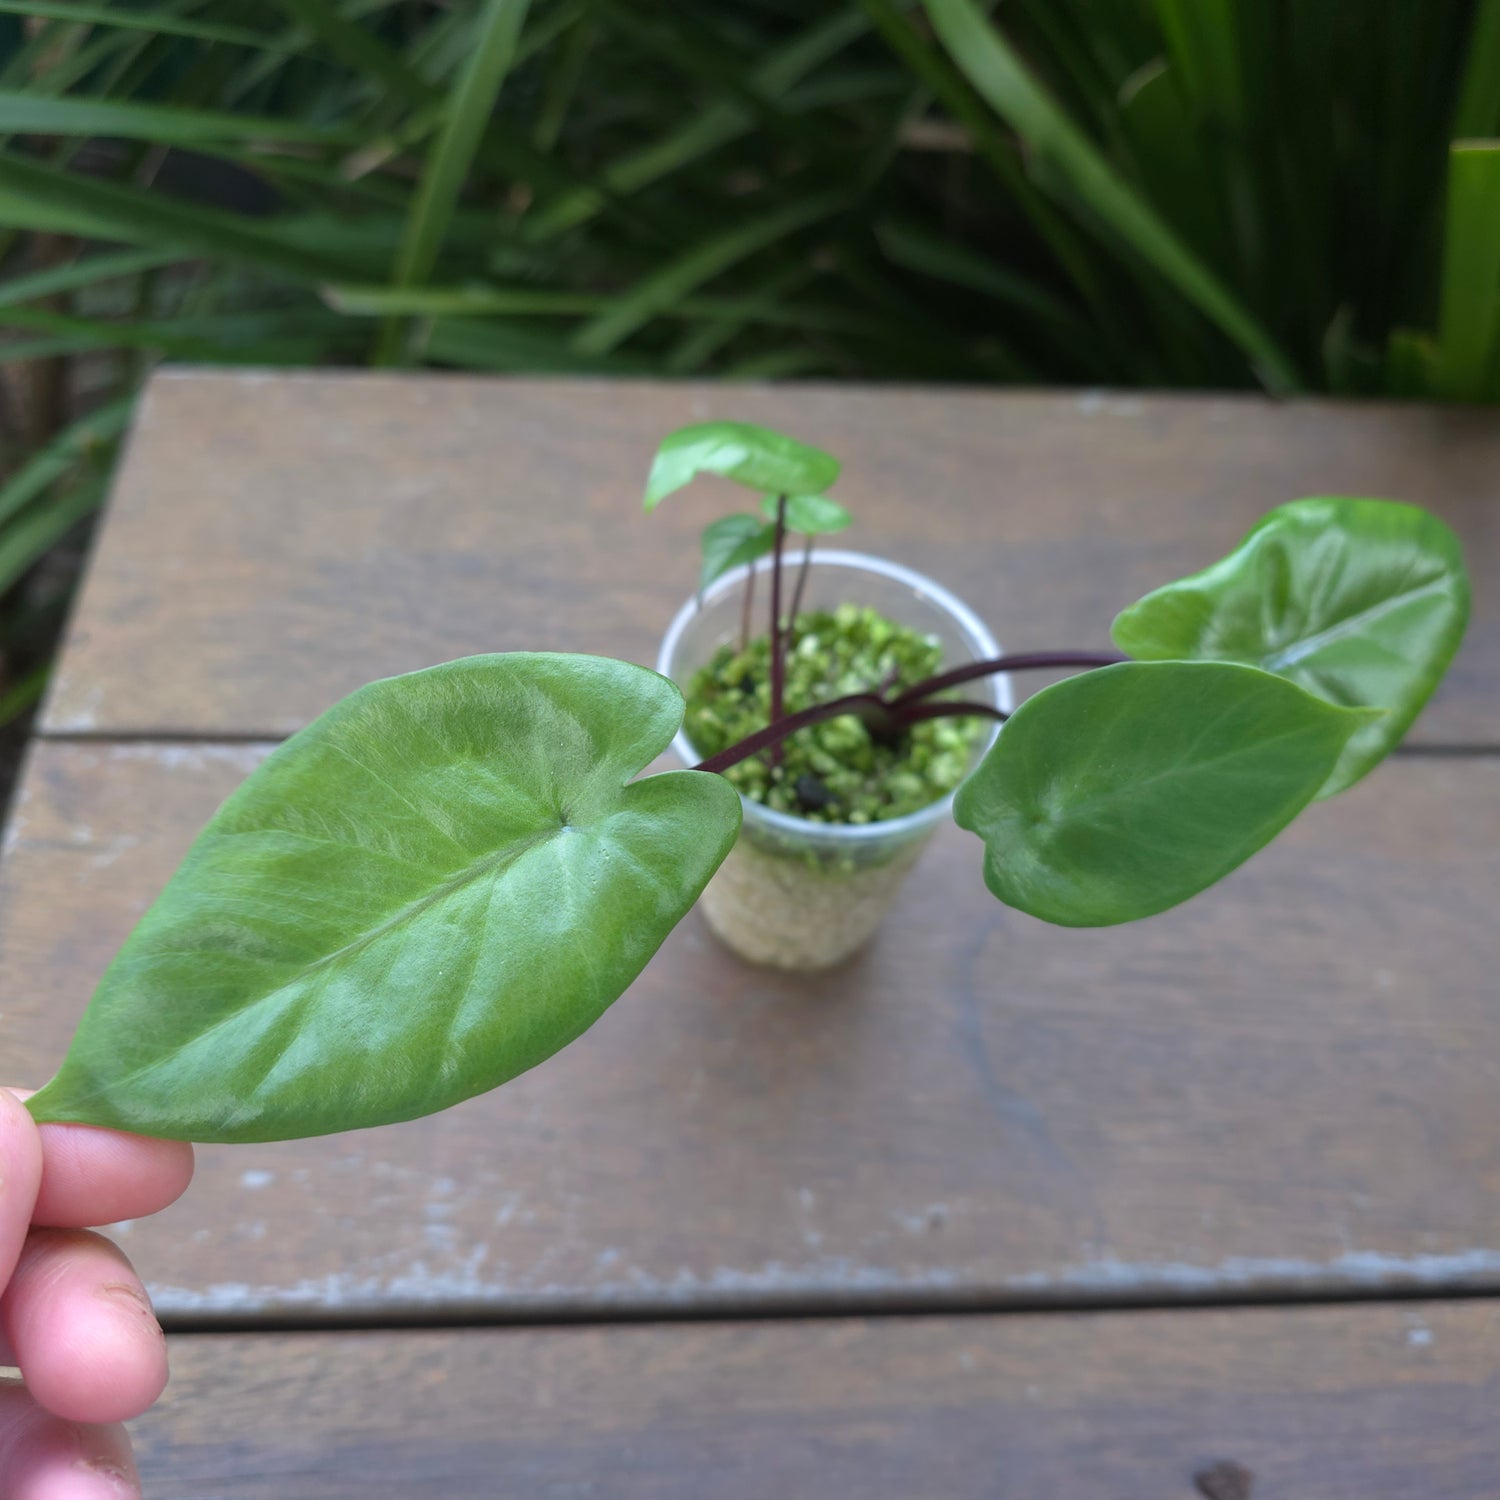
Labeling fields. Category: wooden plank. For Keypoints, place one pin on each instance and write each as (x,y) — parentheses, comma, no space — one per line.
(1380,1402)
(276,541)
(1287,1084)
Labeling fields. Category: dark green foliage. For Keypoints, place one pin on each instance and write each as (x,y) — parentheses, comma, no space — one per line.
(1182,193)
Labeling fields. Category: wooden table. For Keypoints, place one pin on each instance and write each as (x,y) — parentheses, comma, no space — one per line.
(996,1210)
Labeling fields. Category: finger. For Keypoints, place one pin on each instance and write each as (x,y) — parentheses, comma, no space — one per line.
(43,1457)
(80,1326)
(20,1176)
(92,1176)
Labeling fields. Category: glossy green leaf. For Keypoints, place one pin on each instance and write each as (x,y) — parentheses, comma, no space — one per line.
(731,542)
(1119,793)
(808,515)
(432,888)
(1362,602)
(741,451)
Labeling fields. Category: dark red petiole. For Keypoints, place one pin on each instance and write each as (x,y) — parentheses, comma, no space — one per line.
(887,717)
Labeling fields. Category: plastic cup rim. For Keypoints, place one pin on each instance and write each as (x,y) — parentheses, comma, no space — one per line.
(895,829)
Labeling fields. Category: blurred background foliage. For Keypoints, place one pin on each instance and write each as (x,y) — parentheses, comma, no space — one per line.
(1295,195)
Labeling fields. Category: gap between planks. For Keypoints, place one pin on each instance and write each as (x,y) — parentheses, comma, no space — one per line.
(272,737)
(804,1310)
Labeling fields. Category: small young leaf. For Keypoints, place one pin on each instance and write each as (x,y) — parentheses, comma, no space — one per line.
(1119,793)
(432,888)
(732,541)
(1362,602)
(749,455)
(808,515)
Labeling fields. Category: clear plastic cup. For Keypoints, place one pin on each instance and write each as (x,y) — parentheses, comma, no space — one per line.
(799,895)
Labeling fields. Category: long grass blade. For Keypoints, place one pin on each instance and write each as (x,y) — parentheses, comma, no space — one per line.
(39,197)
(702,342)
(87,270)
(473,98)
(565,75)
(32,534)
(24,695)
(1172,166)
(22,350)
(481,344)
(1411,364)
(1469,324)
(948,85)
(292,337)
(677,278)
(81,440)
(1479,97)
(716,126)
(356,46)
(495,301)
(158,20)
(1202,43)
(993,68)
(32,114)
(915,248)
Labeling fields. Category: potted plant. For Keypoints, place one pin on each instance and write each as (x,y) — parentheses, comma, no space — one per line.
(450,875)
(834,813)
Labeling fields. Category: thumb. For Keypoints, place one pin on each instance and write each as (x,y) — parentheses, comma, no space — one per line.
(20,1178)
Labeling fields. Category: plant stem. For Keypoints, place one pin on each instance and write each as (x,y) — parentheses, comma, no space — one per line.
(778,664)
(948,708)
(745,610)
(888,717)
(1022,662)
(774,733)
(801,581)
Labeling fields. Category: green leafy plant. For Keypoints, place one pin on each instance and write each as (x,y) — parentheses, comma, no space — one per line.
(451,874)
(1052,191)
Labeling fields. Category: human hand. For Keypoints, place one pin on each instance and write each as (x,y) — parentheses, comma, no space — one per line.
(73,1314)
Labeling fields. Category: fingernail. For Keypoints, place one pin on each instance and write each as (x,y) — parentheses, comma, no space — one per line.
(121,1480)
(122,1294)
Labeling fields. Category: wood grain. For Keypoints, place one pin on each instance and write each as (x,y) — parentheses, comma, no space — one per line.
(1353,1403)
(1288,1084)
(273,542)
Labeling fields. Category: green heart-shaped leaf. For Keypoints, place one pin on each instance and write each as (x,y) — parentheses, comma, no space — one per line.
(732,541)
(430,889)
(1362,602)
(741,451)
(1119,793)
(808,515)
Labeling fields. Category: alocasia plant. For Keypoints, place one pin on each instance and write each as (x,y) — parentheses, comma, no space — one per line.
(451,874)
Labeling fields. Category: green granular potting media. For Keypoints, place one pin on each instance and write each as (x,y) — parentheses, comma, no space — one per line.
(832,772)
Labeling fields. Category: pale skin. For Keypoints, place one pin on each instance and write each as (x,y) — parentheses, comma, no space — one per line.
(73,1314)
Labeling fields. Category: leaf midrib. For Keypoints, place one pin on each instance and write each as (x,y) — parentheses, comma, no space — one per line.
(508,854)
(1298,652)
(1179,769)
